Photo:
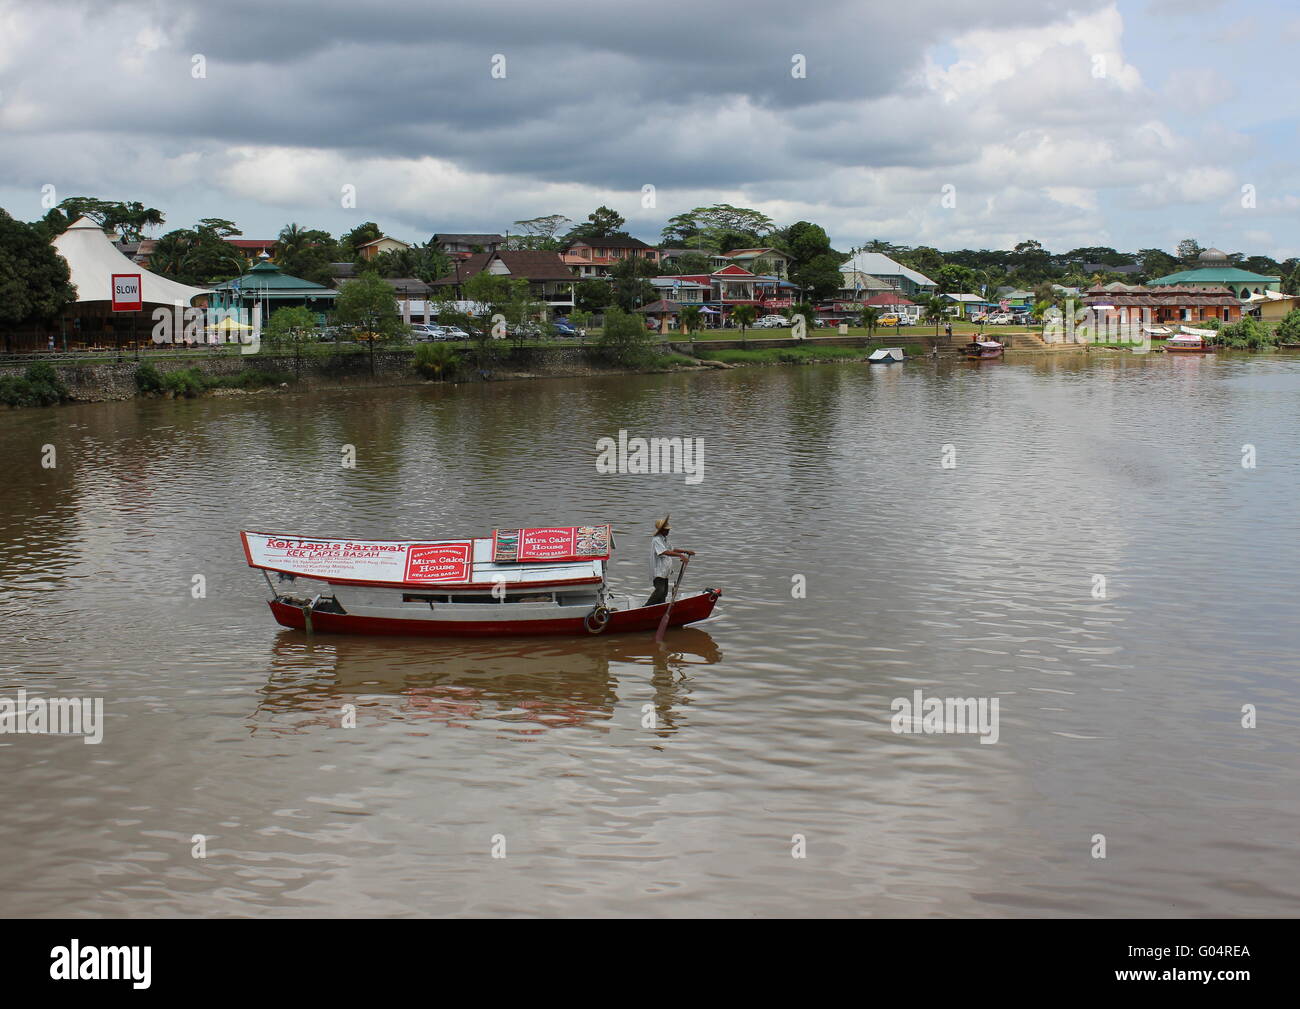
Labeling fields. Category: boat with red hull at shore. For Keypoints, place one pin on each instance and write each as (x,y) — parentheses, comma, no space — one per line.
(544,580)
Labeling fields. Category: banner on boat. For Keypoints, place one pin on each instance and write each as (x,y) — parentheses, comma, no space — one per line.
(362,560)
(550,543)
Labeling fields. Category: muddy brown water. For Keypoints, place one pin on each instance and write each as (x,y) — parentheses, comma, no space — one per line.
(619,779)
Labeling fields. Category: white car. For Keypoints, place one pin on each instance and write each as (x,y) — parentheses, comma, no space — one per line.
(772,322)
(1000,319)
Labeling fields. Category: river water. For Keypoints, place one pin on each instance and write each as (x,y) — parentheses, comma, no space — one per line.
(618,779)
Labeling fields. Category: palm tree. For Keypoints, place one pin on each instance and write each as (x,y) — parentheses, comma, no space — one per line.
(290,241)
(744,315)
(869,317)
(934,308)
(690,319)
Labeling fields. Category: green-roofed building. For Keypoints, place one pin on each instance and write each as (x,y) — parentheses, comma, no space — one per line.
(1215,270)
(265,284)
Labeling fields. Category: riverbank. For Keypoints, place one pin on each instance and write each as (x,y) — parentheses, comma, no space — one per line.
(231,373)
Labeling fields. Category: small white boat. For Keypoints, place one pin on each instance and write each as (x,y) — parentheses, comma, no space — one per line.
(545,580)
(887,355)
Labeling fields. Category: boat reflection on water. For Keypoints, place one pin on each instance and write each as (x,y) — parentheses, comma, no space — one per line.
(525,686)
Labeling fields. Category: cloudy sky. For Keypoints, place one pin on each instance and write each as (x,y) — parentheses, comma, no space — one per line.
(1092,122)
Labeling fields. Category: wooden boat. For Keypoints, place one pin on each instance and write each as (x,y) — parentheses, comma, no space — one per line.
(1190,341)
(546,580)
(983,349)
(886,355)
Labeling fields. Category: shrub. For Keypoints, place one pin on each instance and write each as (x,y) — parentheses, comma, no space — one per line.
(1288,330)
(1248,334)
(39,386)
(250,378)
(147,379)
(436,360)
(16,392)
(623,341)
(186,382)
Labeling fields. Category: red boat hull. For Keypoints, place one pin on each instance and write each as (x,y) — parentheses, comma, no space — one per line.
(687,610)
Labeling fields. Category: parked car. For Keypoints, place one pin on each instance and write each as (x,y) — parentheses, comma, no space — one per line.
(561,327)
(452,333)
(424,332)
(772,322)
(890,320)
(1000,319)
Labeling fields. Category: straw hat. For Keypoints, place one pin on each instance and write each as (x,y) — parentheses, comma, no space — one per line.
(660,523)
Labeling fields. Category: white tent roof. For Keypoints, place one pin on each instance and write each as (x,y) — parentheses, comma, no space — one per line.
(93,260)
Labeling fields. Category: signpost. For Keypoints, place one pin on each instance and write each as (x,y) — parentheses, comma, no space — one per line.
(127,296)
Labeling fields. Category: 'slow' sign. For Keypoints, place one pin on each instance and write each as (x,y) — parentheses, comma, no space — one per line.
(126,292)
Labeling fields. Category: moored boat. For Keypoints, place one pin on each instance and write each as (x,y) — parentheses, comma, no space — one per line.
(1190,341)
(545,580)
(983,349)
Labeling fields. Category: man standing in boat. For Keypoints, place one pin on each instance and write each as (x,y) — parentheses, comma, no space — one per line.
(661,565)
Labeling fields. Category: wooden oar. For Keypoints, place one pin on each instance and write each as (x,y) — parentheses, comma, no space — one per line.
(663,624)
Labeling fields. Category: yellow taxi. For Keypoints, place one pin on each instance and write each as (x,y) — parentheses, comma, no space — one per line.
(890,320)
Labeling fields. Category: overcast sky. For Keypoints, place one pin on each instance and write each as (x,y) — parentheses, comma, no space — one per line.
(1131,124)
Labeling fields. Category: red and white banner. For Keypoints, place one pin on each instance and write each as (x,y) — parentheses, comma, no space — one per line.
(127,293)
(388,561)
(550,543)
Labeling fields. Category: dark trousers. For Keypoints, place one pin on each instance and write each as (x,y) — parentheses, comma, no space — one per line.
(659,594)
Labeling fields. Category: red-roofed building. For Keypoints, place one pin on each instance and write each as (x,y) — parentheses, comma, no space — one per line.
(593,257)
(252,248)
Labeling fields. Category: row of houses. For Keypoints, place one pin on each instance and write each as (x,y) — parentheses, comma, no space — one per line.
(750,276)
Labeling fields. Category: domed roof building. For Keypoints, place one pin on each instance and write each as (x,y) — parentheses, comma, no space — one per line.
(1214,269)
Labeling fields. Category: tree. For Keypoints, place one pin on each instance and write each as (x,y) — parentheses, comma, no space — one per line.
(306,253)
(130,220)
(933,309)
(1288,330)
(592,295)
(693,262)
(690,317)
(925,260)
(953,279)
(743,316)
(217,227)
(1188,250)
(601,223)
(539,233)
(368,303)
(714,227)
(820,278)
(804,241)
(631,280)
(352,241)
(423,262)
(291,327)
(198,255)
(35,282)
(869,317)
(623,340)
(1156,263)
